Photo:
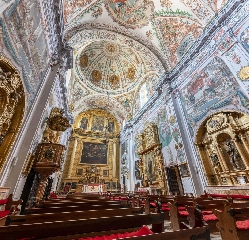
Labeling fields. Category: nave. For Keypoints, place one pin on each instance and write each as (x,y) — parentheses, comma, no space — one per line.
(132,215)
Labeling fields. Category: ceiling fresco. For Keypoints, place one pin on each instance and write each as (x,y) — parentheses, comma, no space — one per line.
(118,43)
(106,65)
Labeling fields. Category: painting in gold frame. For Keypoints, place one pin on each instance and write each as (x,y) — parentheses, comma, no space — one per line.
(184,170)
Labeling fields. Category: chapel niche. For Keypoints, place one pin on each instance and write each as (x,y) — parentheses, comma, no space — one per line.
(151,164)
(223,144)
(12,105)
(92,163)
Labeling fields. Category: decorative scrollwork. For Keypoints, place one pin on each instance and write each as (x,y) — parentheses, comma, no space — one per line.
(57,121)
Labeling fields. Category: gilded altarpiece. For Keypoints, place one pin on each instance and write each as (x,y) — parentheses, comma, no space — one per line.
(151,164)
(12,105)
(223,144)
(93,153)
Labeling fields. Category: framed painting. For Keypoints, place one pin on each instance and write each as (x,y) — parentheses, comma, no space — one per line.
(184,170)
(111,126)
(105,173)
(94,153)
(98,123)
(73,186)
(79,172)
(84,123)
(108,185)
(114,185)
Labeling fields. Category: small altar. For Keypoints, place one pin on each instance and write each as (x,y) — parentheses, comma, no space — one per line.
(94,188)
(152,190)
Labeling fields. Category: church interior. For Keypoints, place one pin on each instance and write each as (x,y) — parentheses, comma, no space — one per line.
(124,119)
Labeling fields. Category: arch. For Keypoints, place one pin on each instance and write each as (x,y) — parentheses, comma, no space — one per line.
(12,106)
(223,144)
(119,31)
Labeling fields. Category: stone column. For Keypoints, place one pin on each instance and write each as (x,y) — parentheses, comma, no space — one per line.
(235,141)
(223,162)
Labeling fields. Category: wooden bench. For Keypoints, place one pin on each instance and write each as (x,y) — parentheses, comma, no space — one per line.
(65,216)
(186,234)
(83,225)
(233,221)
(10,208)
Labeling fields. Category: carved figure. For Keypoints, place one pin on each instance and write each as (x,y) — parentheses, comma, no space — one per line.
(234,155)
(216,162)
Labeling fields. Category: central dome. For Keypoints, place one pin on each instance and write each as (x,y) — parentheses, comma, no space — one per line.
(106,66)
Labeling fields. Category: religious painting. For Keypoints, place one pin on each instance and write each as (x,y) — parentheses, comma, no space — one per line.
(123,148)
(110,126)
(25,18)
(98,123)
(137,170)
(224,180)
(164,129)
(246,179)
(108,185)
(212,88)
(114,185)
(105,173)
(84,123)
(73,186)
(149,163)
(184,170)
(245,38)
(137,175)
(94,153)
(130,13)
(135,149)
(79,172)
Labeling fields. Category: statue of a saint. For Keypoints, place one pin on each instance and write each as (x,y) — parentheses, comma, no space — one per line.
(216,162)
(234,155)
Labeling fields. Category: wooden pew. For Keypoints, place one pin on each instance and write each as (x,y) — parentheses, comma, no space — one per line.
(84,225)
(10,209)
(186,234)
(65,216)
(233,221)
(81,207)
(10,202)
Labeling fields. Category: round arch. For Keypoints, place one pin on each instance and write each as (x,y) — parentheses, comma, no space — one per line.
(223,144)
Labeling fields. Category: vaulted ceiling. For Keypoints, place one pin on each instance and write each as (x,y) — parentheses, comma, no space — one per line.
(121,44)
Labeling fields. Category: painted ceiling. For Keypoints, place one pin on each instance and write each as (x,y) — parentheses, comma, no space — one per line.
(119,43)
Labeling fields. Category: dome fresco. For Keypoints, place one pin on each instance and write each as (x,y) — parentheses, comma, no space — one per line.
(119,43)
(109,66)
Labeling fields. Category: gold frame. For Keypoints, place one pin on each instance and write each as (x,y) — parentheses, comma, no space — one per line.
(79,137)
(187,173)
(148,142)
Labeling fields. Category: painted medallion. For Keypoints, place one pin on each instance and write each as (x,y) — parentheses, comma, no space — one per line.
(130,13)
